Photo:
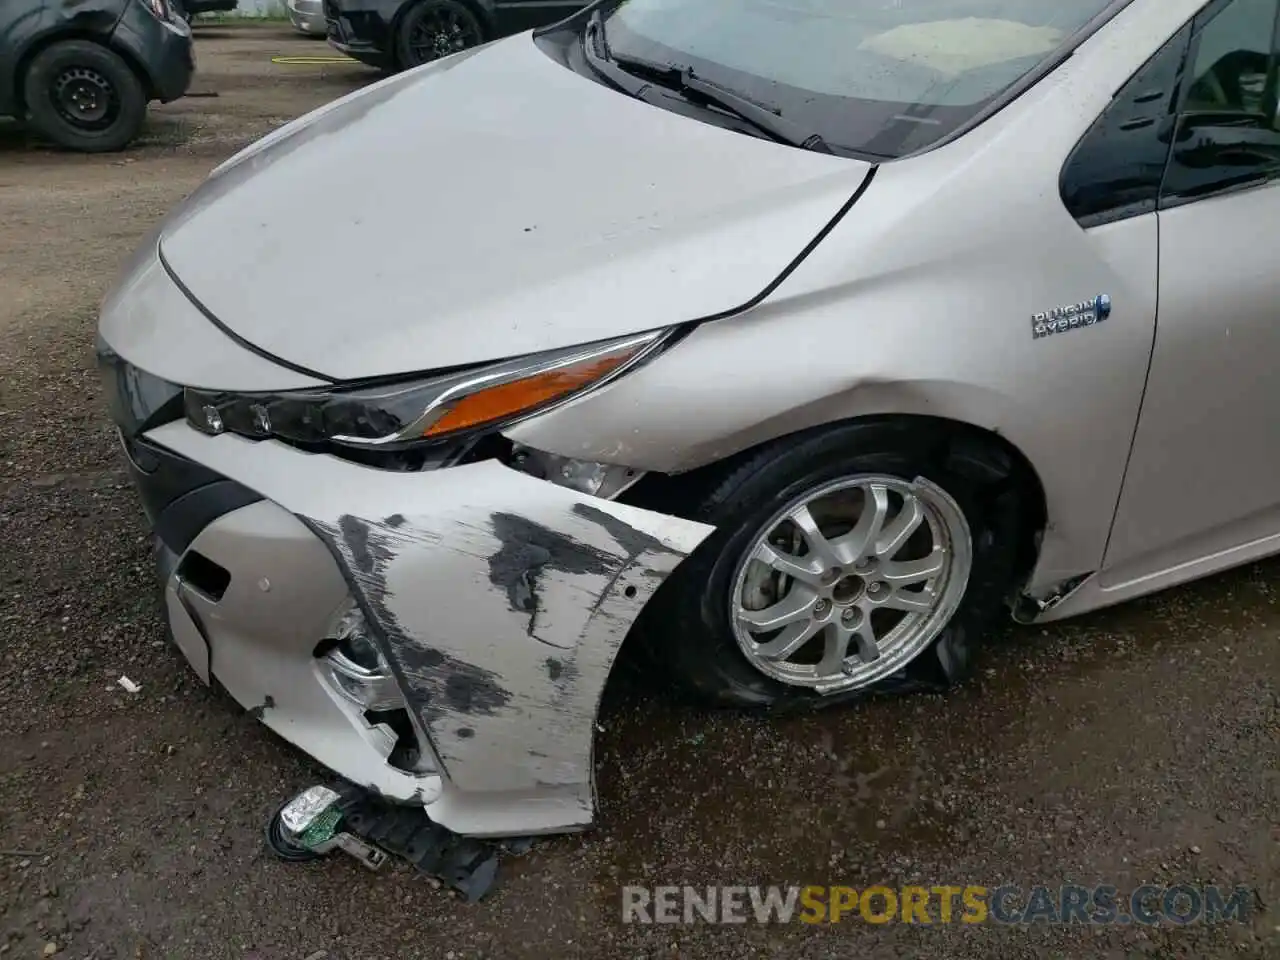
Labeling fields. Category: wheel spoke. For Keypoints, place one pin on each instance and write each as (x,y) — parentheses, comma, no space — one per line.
(819,546)
(868,646)
(902,573)
(861,540)
(805,569)
(896,534)
(796,605)
(834,650)
(787,643)
(909,601)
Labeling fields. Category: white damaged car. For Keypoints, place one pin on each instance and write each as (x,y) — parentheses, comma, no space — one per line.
(796,340)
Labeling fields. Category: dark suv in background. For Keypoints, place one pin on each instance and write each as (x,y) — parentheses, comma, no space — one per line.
(190,8)
(82,73)
(398,34)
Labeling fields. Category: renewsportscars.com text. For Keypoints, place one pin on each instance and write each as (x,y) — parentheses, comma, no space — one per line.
(1179,904)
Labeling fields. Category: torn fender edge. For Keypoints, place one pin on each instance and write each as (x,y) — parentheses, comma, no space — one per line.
(1042,606)
(500,601)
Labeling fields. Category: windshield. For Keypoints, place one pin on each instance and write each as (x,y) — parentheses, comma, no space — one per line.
(881,77)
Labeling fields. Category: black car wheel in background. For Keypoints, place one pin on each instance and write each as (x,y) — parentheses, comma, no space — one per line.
(83,96)
(432,29)
(398,34)
(83,72)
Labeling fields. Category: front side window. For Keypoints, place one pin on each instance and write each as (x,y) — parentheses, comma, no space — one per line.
(1233,60)
(880,77)
(1227,132)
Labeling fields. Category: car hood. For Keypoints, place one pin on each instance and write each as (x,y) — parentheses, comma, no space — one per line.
(490,205)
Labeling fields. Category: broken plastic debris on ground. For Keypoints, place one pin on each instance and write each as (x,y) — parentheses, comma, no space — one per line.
(321,820)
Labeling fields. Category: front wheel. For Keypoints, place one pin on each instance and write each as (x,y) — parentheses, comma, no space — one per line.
(436,28)
(869,557)
(84,97)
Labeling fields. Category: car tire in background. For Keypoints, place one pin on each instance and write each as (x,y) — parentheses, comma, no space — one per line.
(722,625)
(83,96)
(432,29)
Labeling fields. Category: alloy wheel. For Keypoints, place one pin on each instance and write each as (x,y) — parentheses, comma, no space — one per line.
(850,582)
(439,33)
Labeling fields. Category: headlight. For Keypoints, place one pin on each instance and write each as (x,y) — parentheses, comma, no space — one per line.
(403,413)
(161,9)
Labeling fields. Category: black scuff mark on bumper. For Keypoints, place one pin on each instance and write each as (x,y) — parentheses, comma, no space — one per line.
(268,703)
(633,541)
(561,671)
(527,548)
(436,685)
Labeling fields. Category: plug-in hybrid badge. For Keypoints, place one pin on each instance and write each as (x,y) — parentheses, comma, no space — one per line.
(1061,319)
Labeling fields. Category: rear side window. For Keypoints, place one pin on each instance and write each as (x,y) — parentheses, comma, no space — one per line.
(1117,168)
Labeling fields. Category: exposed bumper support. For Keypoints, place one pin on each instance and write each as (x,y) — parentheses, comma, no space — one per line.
(321,820)
(500,602)
(1028,609)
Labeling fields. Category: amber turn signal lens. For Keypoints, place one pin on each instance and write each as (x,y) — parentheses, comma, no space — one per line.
(518,396)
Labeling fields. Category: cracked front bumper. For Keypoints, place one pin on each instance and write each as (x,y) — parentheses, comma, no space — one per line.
(498,600)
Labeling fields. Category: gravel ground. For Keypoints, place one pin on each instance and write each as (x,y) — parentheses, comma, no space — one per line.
(1137,746)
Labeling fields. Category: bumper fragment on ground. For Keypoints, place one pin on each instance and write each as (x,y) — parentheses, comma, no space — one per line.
(321,820)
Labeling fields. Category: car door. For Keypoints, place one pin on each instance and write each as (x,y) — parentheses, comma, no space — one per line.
(20,21)
(1202,491)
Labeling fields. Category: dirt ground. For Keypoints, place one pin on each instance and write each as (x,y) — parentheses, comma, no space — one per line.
(1137,746)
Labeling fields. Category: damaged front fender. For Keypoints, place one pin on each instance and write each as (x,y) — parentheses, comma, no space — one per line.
(500,602)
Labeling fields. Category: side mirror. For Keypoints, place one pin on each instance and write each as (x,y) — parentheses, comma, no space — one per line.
(1206,140)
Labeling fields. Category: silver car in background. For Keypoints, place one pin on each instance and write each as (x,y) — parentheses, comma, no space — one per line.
(307,17)
(796,342)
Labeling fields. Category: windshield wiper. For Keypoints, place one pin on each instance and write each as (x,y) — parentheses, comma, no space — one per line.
(602,61)
(767,119)
(629,75)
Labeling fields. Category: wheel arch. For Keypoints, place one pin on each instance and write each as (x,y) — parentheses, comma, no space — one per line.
(991,466)
(735,419)
(984,454)
(48,40)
